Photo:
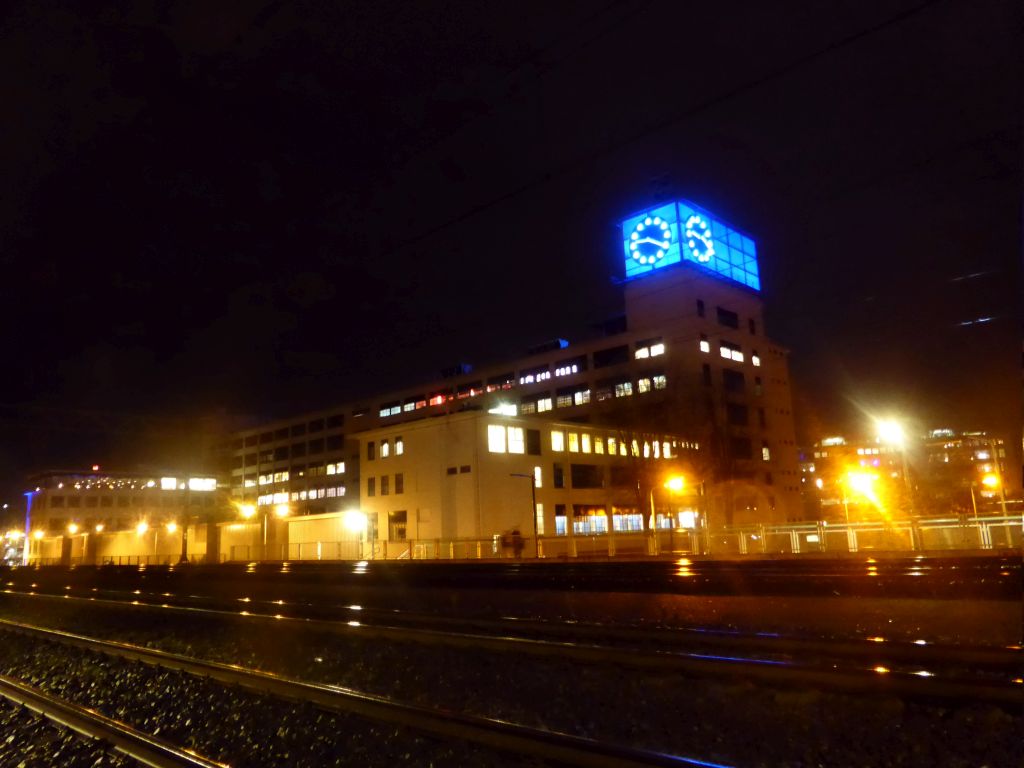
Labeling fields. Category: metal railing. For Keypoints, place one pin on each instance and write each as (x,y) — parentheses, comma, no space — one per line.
(930,534)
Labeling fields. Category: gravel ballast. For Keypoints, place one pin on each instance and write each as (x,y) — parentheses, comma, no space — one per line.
(29,740)
(727,721)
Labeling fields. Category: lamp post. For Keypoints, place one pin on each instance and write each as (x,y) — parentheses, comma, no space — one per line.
(357,522)
(891,432)
(533,499)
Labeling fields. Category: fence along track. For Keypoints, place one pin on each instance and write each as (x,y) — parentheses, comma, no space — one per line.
(144,748)
(497,734)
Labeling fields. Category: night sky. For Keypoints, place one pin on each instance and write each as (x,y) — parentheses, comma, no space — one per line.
(214,211)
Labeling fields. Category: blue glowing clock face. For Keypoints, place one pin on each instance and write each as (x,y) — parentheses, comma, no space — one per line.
(698,239)
(680,233)
(649,240)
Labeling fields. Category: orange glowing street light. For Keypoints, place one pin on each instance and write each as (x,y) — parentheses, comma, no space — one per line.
(676,484)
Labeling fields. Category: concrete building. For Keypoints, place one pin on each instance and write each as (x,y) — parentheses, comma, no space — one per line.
(472,479)
(688,357)
(97,516)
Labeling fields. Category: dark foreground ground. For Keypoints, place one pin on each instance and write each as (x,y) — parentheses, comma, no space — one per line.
(727,721)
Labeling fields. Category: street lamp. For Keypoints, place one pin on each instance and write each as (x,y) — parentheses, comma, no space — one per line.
(356,522)
(891,432)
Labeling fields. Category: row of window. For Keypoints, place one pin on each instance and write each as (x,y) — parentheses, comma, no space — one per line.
(727,317)
(729,351)
(385,485)
(311,494)
(296,471)
(295,430)
(583,396)
(385,448)
(602,358)
(294,451)
(121,500)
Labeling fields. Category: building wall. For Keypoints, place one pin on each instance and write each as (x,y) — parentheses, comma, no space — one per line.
(455,487)
(651,369)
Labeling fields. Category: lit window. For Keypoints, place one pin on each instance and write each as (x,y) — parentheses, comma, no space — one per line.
(527,408)
(725,352)
(544,376)
(437,400)
(598,445)
(538,478)
(657,349)
(756,360)
(766,454)
(643,385)
(557,440)
(647,450)
(409,407)
(495,438)
(705,345)
(624,389)
(516,441)
(280,477)
(636,448)
(574,442)
(660,382)
(385,449)
(657,449)
(544,404)
(540,519)
(266,479)
(737,356)
(563,401)
(281,497)
(331,469)
(666,450)
(399,446)
(611,446)
(582,397)
(642,353)
(585,442)
(249,483)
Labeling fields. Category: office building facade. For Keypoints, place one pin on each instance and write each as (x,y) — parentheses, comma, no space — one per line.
(689,357)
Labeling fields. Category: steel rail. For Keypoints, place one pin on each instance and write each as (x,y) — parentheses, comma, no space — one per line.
(498,734)
(144,748)
(663,638)
(875,679)
(667,639)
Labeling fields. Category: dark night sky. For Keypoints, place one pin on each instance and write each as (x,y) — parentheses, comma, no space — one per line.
(256,208)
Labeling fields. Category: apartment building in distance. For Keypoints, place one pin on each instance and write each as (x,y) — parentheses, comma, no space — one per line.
(689,357)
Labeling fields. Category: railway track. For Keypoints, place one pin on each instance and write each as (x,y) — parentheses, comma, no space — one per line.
(142,747)
(913,670)
(559,748)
